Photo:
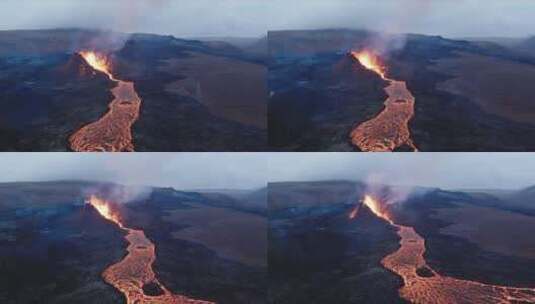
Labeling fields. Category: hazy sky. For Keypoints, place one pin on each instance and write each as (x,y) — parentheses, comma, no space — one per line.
(443,170)
(254,17)
(178,170)
(252,170)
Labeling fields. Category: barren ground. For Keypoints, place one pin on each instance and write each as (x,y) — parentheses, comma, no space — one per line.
(500,87)
(491,229)
(232,234)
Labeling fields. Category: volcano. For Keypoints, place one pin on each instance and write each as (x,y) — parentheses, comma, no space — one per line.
(154,248)
(81,90)
(406,93)
(339,241)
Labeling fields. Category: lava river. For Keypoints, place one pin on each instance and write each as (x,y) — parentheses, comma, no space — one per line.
(433,287)
(135,270)
(113,131)
(390,128)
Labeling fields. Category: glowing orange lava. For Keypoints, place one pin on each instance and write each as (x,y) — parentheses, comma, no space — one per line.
(377,208)
(113,131)
(408,262)
(135,271)
(104,208)
(98,62)
(371,61)
(390,128)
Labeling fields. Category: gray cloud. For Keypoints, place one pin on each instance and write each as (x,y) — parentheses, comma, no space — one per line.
(255,17)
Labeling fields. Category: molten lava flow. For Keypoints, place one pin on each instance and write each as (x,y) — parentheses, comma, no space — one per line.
(390,128)
(409,262)
(113,131)
(135,271)
(370,61)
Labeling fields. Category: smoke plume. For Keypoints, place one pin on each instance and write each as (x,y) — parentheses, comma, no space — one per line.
(392,195)
(120,194)
(408,15)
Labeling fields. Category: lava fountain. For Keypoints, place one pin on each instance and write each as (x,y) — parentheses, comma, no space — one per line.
(390,128)
(98,62)
(409,263)
(135,271)
(113,131)
(371,62)
(105,209)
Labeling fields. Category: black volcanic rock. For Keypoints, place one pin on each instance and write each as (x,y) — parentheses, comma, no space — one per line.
(424,272)
(152,289)
(46,99)
(76,67)
(171,122)
(58,251)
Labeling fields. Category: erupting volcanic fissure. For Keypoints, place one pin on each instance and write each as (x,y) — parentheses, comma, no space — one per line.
(135,271)
(378,209)
(408,261)
(113,131)
(390,128)
(98,62)
(370,61)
